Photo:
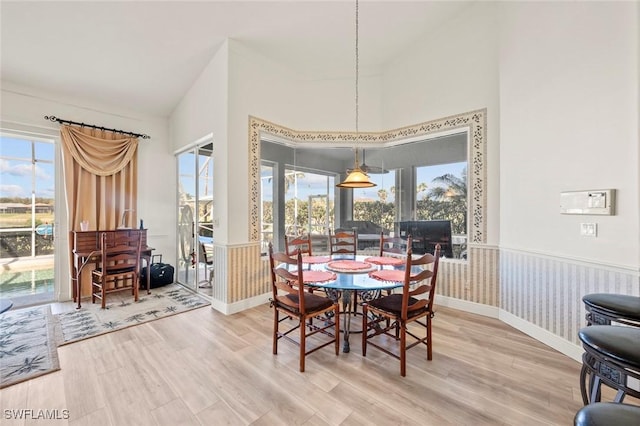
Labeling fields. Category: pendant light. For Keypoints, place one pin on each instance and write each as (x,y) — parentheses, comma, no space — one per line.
(356,178)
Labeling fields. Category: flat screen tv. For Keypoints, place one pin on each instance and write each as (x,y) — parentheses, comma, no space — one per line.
(426,234)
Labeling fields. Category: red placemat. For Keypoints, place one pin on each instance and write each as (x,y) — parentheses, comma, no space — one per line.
(315,259)
(317,276)
(385,260)
(348,265)
(388,275)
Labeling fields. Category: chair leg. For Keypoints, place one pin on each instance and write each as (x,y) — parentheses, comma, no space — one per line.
(103,293)
(336,320)
(365,330)
(403,349)
(429,345)
(135,288)
(583,384)
(303,335)
(275,331)
(595,389)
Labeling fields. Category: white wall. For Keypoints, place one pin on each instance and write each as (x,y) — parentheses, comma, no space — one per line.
(25,108)
(201,112)
(262,88)
(569,121)
(451,71)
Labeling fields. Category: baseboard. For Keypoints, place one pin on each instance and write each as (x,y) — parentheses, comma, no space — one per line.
(232,308)
(467,306)
(544,336)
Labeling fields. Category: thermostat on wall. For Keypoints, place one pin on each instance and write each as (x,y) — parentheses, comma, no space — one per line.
(601,202)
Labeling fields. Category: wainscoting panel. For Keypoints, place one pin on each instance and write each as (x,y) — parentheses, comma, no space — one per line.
(220,291)
(548,291)
(241,273)
(484,279)
(473,281)
(247,273)
(452,278)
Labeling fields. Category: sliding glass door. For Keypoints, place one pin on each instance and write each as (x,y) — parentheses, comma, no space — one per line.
(27,219)
(195,218)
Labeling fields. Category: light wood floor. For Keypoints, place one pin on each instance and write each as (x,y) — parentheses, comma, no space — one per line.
(201,367)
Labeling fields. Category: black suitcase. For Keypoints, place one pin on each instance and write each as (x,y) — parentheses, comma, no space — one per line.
(161,273)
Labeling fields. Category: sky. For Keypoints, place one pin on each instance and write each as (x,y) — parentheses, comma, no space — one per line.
(16,167)
(187,175)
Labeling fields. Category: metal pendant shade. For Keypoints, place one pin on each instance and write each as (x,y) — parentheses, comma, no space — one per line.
(356,178)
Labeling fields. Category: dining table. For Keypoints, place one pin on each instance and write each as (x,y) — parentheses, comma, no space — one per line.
(347,278)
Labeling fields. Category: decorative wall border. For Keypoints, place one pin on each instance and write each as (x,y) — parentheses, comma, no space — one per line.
(475,122)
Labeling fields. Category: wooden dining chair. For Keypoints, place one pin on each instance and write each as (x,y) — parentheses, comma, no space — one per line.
(292,301)
(119,266)
(386,319)
(392,245)
(343,241)
(293,243)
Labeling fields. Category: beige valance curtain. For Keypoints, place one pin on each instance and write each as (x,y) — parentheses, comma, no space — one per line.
(101,177)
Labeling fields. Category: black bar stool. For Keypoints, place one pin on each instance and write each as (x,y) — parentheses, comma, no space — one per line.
(602,309)
(612,356)
(607,414)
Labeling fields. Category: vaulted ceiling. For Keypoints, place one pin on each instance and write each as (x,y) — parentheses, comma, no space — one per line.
(151,52)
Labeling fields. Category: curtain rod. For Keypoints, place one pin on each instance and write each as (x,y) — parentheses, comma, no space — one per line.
(61,121)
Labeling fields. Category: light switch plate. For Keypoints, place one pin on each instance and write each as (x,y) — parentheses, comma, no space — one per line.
(589,229)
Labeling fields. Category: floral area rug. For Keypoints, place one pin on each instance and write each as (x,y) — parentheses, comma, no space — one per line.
(122,312)
(27,345)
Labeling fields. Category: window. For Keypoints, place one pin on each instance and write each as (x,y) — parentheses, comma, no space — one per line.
(415,181)
(294,200)
(27,216)
(266,198)
(26,197)
(309,202)
(441,194)
(377,204)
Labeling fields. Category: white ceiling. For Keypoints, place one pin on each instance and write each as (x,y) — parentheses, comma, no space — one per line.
(151,52)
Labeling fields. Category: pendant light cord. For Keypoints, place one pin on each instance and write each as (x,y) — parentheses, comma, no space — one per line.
(356,178)
(357,70)
(357,86)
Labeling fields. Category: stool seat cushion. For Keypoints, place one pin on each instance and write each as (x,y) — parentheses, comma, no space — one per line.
(617,343)
(608,413)
(615,304)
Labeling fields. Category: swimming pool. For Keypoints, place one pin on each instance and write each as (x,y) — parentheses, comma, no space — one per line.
(26,283)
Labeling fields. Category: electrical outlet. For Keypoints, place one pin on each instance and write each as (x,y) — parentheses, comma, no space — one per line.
(589,229)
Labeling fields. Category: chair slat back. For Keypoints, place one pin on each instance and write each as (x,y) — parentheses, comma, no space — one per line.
(299,243)
(284,280)
(429,264)
(343,241)
(120,253)
(392,245)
